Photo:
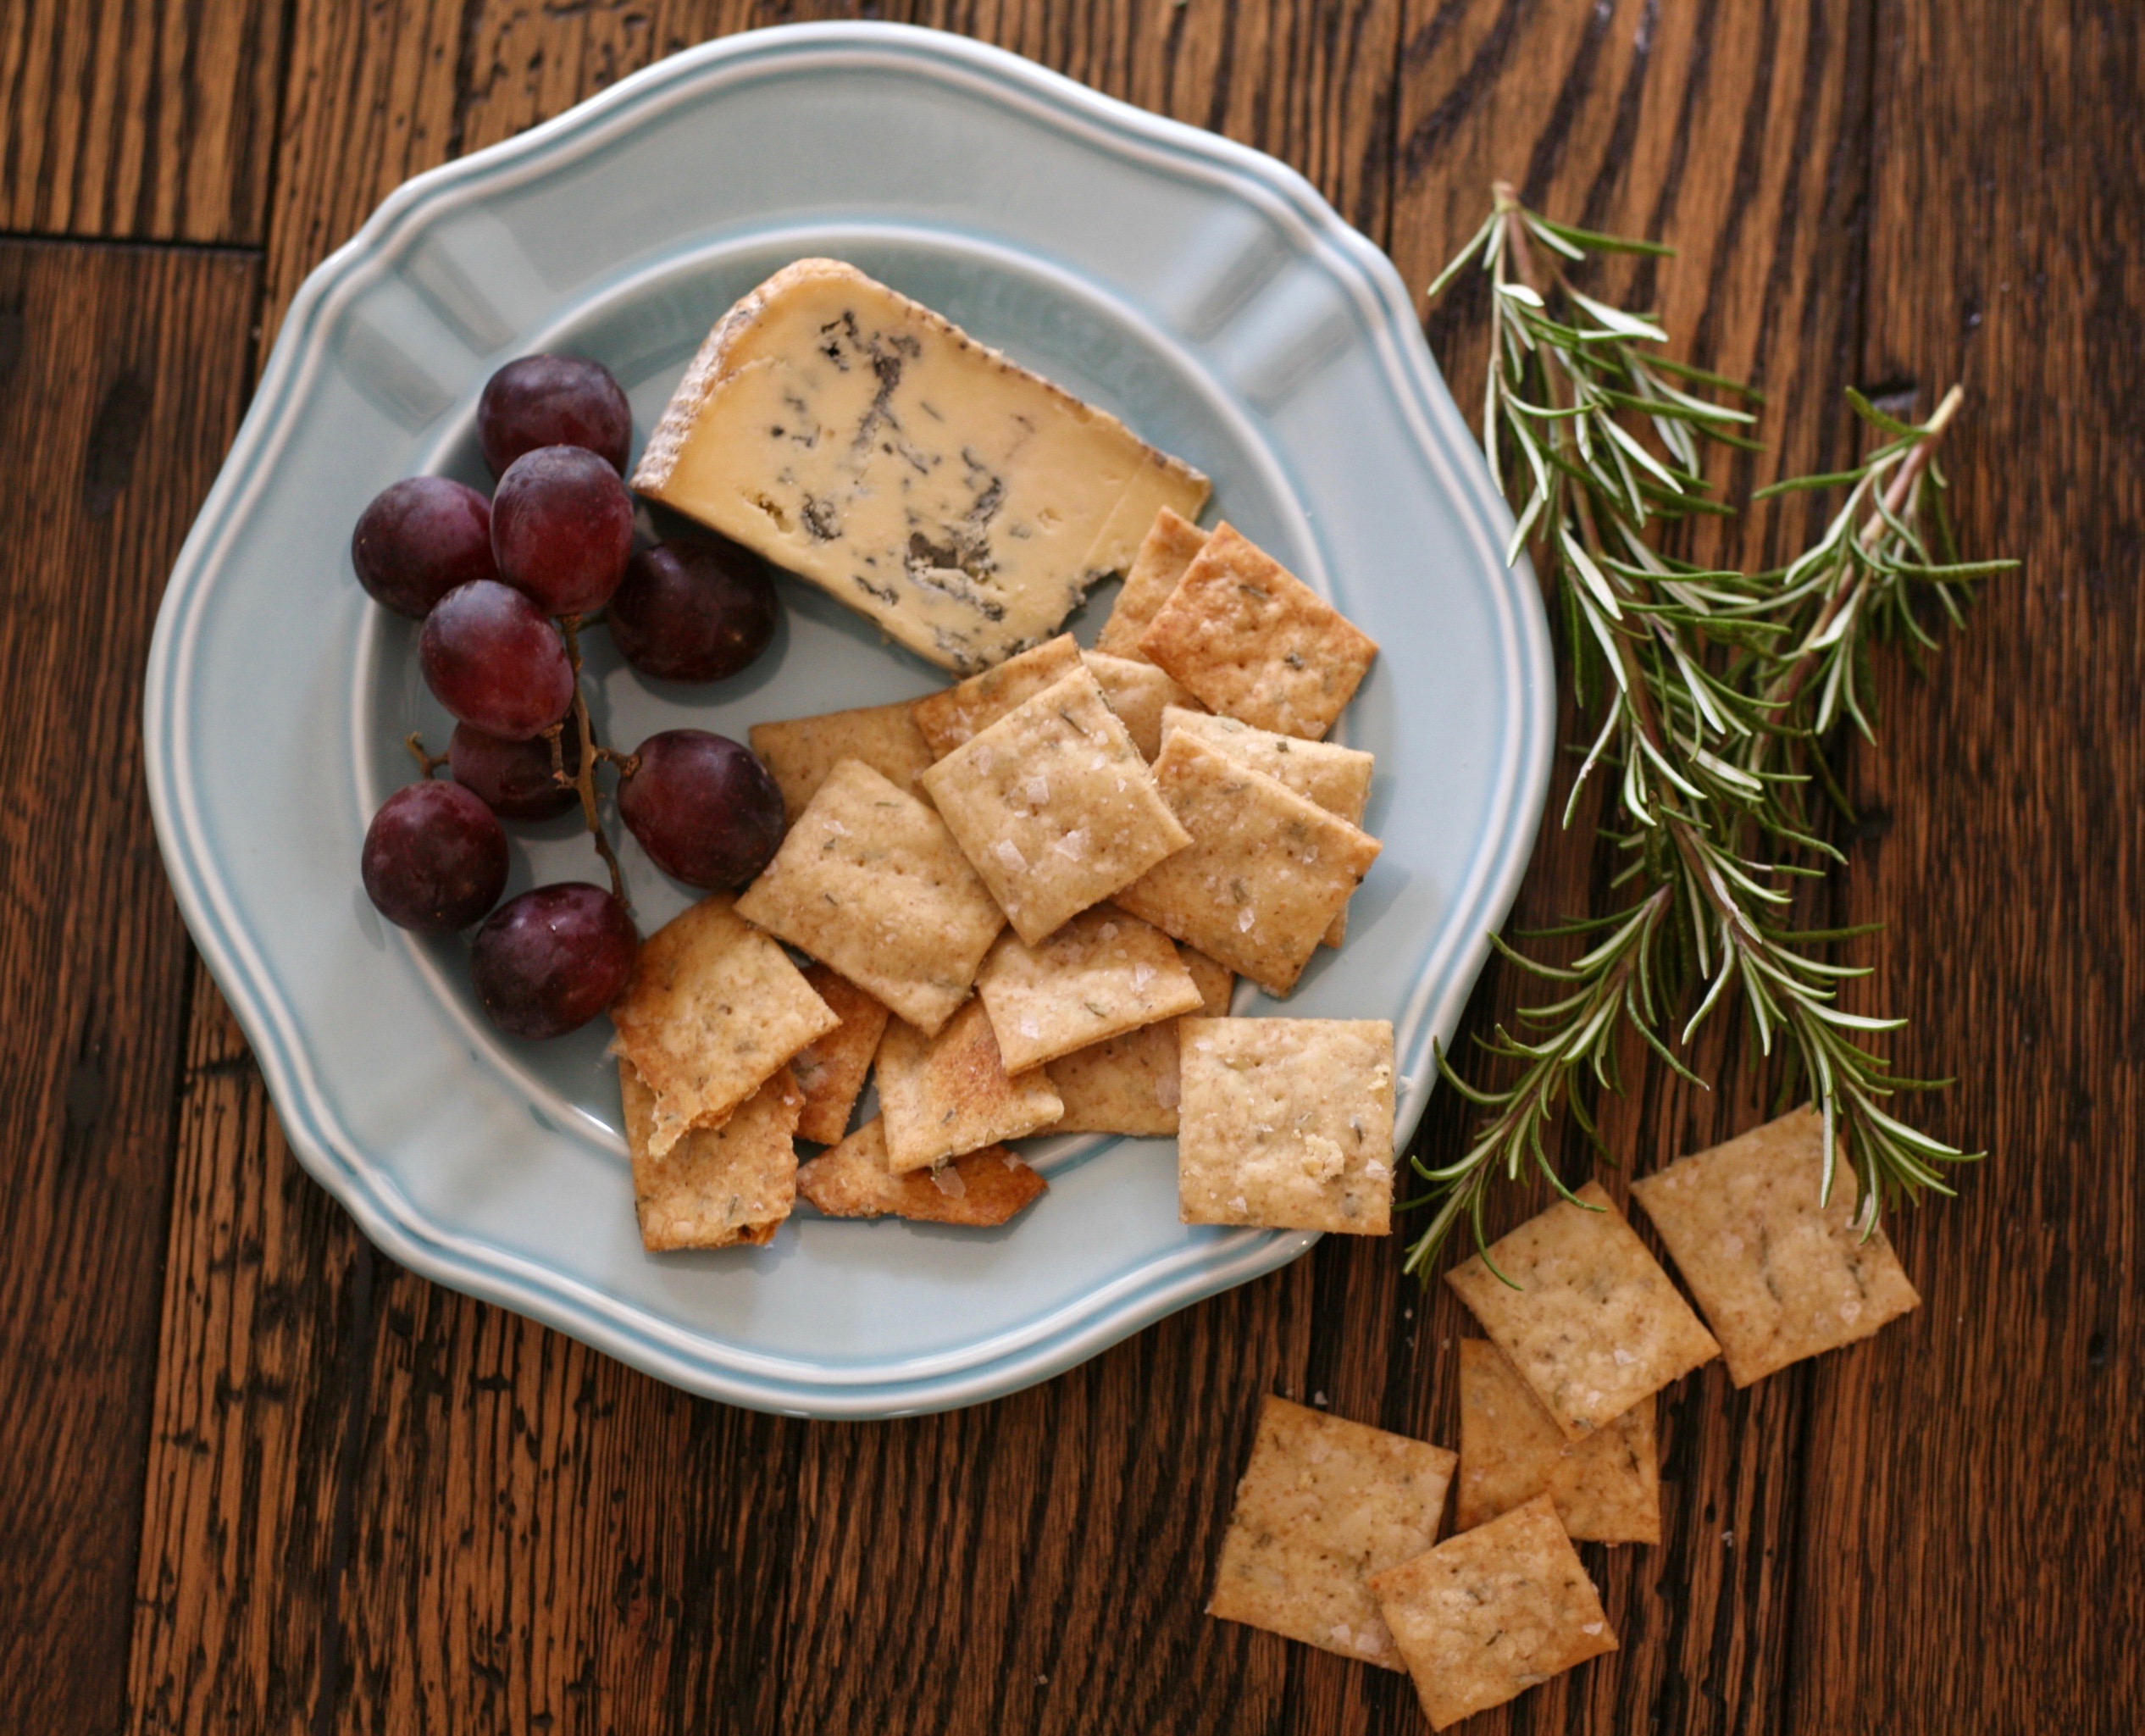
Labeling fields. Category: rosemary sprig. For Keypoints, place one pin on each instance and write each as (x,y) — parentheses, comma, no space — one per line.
(1715,688)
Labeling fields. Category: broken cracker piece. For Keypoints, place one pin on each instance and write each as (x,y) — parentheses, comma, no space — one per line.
(1607,1488)
(1324,1504)
(1254,643)
(1171,545)
(940,1096)
(802,751)
(831,1070)
(1286,1123)
(1492,1612)
(714,1007)
(981,1188)
(869,880)
(1129,1084)
(1102,973)
(1593,1325)
(716,1186)
(1778,1277)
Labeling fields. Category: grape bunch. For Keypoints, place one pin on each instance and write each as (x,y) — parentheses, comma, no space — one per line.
(505,587)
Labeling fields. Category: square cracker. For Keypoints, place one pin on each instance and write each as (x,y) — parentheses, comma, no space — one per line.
(1171,545)
(943,1095)
(1594,1324)
(979,1189)
(1286,1123)
(1266,873)
(714,1007)
(1488,1614)
(1254,641)
(870,881)
(716,1186)
(1102,973)
(1779,1277)
(1324,1504)
(1139,694)
(1054,805)
(954,717)
(1606,1488)
(831,1070)
(802,751)
(1338,778)
(1129,1084)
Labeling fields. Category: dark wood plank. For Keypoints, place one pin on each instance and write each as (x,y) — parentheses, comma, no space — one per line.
(122,377)
(1976,1506)
(150,122)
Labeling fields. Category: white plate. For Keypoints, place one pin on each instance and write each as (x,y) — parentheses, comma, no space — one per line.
(1201,291)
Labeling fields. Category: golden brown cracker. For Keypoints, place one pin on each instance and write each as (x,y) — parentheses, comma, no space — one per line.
(1607,1488)
(953,716)
(802,751)
(1101,973)
(831,1070)
(980,1189)
(940,1096)
(1171,544)
(716,1186)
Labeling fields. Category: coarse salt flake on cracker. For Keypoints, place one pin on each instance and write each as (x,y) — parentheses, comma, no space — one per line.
(943,1095)
(1102,973)
(716,1187)
(1778,1276)
(1588,1318)
(979,1190)
(1607,1488)
(1324,1504)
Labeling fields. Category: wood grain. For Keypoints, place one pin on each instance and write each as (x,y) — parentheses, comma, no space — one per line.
(121,381)
(151,121)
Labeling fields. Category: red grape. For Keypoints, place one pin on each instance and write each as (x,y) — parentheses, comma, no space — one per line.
(513,778)
(691,610)
(420,538)
(562,527)
(705,811)
(548,962)
(492,659)
(434,858)
(553,400)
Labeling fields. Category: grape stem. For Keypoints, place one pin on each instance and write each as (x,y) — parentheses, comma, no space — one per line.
(427,763)
(584,778)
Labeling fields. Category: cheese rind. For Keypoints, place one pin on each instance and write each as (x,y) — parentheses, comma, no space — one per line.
(871,446)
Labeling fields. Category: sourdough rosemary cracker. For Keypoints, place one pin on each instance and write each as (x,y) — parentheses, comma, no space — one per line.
(716,1186)
(1129,1084)
(870,881)
(1606,1488)
(952,718)
(1779,1277)
(943,1095)
(1139,694)
(1171,544)
(1324,1504)
(980,1189)
(1102,973)
(1594,1324)
(831,1070)
(1490,1613)
(801,751)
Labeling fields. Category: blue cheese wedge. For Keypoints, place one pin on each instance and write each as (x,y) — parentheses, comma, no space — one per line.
(857,438)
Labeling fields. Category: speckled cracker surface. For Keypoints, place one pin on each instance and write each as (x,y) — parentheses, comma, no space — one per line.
(716,1186)
(1054,805)
(1129,1084)
(1266,873)
(980,1189)
(1171,545)
(1286,1123)
(802,751)
(943,1095)
(1488,1614)
(1254,643)
(1102,973)
(1778,1277)
(831,1070)
(870,881)
(1139,694)
(714,1007)
(1336,778)
(1595,1324)
(1606,1488)
(948,719)
(1324,1504)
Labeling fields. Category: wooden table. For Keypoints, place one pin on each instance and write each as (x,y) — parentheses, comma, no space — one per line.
(254,1477)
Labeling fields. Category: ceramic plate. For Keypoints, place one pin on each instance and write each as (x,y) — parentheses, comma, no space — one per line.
(1204,292)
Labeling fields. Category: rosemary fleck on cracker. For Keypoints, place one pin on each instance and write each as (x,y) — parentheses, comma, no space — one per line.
(1286,1123)
(869,880)
(1594,1324)
(943,1095)
(1778,1276)
(802,751)
(715,1186)
(1492,1612)
(979,1189)
(952,718)
(1054,805)
(1169,547)
(1102,973)
(1606,1488)
(714,1007)
(1254,643)
(831,1070)
(1129,1084)
(1324,1504)
(1266,873)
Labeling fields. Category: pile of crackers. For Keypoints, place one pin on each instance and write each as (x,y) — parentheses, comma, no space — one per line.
(1333,1541)
(1019,906)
